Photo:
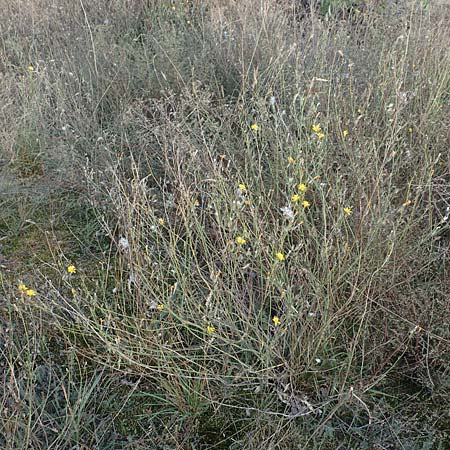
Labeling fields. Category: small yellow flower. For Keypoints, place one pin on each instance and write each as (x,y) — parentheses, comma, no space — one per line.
(306,204)
(276,320)
(74,292)
(359,110)
(291,160)
(247,202)
(71,269)
(30,292)
(161,221)
(240,240)
(242,187)
(410,130)
(280,256)
(407,202)
(210,329)
(345,133)
(295,198)
(348,211)
(316,128)
(302,187)
(254,126)
(320,135)
(22,288)
(160,307)
(30,68)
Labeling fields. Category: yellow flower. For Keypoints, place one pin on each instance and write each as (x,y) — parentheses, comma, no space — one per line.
(276,320)
(161,221)
(242,187)
(320,135)
(74,291)
(210,329)
(240,240)
(30,292)
(30,68)
(280,256)
(345,133)
(295,198)
(316,128)
(306,204)
(160,307)
(410,130)
(72,269)
(22,288)
(254,126)
(302,187)
(359,110)
(247,202)
(348,211)
(291,160)
(407,202)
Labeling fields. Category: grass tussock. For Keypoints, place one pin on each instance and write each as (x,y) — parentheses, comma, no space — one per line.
(224,225)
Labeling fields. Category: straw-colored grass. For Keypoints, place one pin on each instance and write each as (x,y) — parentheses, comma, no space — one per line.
(224,225)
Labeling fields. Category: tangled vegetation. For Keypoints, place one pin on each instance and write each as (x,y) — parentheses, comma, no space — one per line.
(224,225)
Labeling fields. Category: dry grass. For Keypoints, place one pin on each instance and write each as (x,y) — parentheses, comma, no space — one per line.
(215,302)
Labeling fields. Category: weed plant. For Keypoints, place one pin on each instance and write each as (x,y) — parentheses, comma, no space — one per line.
(225,225)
